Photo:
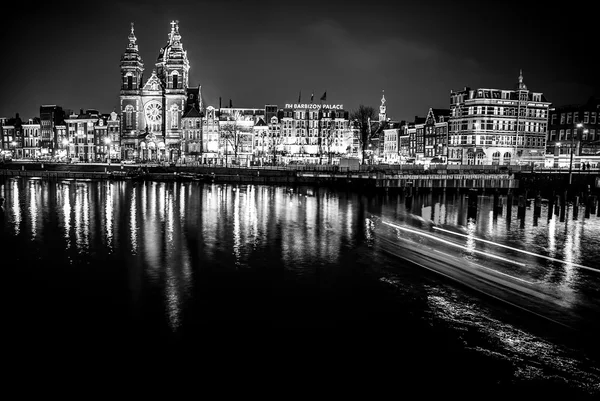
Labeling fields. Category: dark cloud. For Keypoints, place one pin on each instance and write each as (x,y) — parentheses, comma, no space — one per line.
(266,52)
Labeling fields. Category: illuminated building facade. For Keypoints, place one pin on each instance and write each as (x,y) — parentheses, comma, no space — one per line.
(393,134)
(210,136)
(428,137)
(573,128)
(498,126)
(12,137)
(31,138)
(191,140)
(151,111)
(106,137)
(82,135)
(51,116)
(237,129)
(313,133)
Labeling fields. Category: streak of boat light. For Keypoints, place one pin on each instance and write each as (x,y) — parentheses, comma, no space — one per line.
(519,250)
(487,268)
(505,300)
(491,255)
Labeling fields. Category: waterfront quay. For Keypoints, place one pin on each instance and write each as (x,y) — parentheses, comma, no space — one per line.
(517,179)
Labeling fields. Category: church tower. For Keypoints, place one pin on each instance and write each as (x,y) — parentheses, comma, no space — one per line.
(172,68)
(132,69)
(382,108)
(151,111)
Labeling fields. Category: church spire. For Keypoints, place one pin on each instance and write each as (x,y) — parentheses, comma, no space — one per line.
(382,108)
(172,33)
(132,40)
(521,85)
(132,66)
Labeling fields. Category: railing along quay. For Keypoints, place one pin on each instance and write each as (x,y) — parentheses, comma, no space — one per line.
(374,176)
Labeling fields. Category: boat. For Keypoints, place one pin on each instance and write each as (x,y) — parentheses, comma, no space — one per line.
(119,175)
(186,176)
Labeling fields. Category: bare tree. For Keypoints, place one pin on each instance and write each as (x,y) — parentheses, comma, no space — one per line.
(362,118)
(231,136)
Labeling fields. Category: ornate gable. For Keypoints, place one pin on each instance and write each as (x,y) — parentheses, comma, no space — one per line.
(430,120)
(153,83)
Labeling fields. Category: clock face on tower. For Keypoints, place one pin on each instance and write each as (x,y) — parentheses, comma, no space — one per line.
(153,112)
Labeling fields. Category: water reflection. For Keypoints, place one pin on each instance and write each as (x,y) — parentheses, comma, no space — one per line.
(165,240)
(16,205)
(82,216)
(109,215)
(133,227)
(533,357)
(66,213)
(33,206)
(542,238)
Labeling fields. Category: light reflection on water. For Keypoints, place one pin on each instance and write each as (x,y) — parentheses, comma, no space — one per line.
(172,231)
(109,212)
(33,206)
(16,205)
(572,241)
(532,357)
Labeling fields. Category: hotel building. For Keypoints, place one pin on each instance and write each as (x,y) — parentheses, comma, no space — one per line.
(498,126)
(313,133)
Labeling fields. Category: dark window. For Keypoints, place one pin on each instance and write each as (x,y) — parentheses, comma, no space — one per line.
(174,81)
(129,82)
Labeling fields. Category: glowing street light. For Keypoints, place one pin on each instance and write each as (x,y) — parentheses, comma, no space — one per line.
(579,126)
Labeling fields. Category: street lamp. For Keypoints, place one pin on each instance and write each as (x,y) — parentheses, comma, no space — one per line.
(579,125)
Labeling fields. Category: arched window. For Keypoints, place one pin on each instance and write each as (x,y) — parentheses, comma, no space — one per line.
(507,157)
(480,158)
(496,158)
(129,117)
(128,83)
(175,79)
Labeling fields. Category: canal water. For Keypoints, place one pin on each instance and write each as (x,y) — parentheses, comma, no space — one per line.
(297,271)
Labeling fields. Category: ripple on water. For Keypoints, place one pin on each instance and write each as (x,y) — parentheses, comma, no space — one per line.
(531,356)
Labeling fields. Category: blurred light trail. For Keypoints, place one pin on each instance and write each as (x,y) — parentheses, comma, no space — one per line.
(491,255)
(487,268)
(518,250)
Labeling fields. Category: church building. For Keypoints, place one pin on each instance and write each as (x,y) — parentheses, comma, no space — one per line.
(152,109)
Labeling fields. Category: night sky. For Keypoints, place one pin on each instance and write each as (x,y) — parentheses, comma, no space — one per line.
(258,53)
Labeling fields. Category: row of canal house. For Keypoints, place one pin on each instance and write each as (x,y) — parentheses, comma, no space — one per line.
(482,127)
(61,135)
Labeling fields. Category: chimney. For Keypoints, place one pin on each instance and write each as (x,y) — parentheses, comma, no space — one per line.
(80,111)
